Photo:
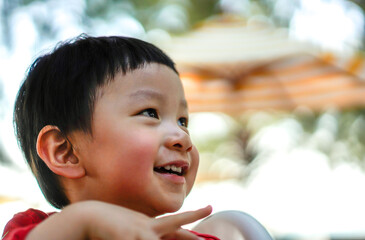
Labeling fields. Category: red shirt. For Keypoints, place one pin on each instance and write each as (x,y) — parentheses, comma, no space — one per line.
(22,223)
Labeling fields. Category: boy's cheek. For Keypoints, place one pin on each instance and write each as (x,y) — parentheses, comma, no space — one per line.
(194,158)
(140,150)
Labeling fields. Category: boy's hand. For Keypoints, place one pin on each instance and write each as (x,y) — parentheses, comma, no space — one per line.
(102,221)
(127,224)
(170,226)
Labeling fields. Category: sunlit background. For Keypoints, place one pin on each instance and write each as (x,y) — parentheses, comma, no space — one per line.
(276,90)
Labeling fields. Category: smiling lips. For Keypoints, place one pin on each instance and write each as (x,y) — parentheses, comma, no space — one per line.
(178,168)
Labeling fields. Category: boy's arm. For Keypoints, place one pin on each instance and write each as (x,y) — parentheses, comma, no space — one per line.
(98,220)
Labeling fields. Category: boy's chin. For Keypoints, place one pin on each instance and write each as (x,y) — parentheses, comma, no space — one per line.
(166,209)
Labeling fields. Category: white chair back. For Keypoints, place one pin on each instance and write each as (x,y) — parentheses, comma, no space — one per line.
(233,225)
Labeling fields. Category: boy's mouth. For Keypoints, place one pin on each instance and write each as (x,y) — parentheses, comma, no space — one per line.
(172,169)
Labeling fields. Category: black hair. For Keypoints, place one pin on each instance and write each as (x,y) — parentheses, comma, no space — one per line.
(60,90)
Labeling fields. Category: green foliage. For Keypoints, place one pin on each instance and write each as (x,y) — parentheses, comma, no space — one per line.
(145,11)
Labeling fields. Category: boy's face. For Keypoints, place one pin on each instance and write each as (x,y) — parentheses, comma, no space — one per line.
(139,132)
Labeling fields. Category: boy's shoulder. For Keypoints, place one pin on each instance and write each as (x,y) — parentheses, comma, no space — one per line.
(20,225)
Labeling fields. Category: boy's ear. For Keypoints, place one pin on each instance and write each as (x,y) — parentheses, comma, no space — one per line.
(57,153)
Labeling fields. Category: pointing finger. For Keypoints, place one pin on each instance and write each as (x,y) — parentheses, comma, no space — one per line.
(165,225)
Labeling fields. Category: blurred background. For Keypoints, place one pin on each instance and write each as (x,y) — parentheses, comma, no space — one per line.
(276,90)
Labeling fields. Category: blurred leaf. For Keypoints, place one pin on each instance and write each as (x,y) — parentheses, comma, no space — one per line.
(145,11)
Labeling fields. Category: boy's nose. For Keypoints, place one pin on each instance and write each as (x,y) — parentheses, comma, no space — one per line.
(178,139)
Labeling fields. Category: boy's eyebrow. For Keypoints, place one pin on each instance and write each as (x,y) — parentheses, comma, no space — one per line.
(146,93)
(151,94)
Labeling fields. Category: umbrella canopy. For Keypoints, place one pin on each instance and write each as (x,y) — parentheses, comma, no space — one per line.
(232,65)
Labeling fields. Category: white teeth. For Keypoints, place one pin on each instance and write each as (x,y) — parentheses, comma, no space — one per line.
(173,168)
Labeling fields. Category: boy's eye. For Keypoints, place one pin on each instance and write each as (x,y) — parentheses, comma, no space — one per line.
(183,122)
(150,112)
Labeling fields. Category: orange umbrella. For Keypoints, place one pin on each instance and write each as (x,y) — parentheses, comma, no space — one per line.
(231,65)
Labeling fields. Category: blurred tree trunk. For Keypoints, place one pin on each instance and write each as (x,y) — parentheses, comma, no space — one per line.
(6,11)
(4,159)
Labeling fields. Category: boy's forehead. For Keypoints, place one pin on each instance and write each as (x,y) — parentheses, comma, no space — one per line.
(152,81)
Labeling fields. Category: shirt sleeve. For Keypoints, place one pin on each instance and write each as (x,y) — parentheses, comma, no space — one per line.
(22,223)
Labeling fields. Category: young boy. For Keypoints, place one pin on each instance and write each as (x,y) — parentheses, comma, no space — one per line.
(103,125)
